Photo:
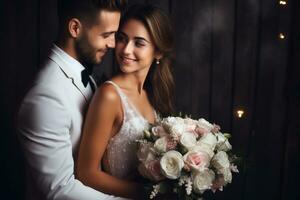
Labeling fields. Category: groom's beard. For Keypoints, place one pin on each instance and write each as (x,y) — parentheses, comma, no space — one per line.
(86,53)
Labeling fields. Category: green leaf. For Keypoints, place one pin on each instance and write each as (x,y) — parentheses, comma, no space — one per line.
(164,187)
(182,150)
(227,135)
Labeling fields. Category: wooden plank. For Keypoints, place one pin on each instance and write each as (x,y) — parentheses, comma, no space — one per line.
(192,55)
(131,2)
(201,52)
(163,4)
(244,77)
(247,32)
(183,61)
(222,62)
(292,140)
(19,63)
(223,23)
(8,168)
(48,27)
(270,110)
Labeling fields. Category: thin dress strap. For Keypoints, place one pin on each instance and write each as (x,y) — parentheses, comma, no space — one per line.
(124,101)
(118,89)
(128,104)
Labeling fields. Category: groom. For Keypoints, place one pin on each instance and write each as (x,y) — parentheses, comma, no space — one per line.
(51,115)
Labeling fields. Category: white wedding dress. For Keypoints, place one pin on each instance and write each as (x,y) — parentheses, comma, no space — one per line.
(122,148)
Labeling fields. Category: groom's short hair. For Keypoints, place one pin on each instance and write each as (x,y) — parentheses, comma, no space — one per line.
(86,10)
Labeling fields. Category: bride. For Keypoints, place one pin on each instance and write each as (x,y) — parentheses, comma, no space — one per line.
(126,104)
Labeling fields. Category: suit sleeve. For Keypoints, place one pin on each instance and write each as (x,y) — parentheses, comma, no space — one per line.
(43,125)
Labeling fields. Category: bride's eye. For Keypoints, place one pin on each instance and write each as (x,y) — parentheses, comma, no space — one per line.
(139,43)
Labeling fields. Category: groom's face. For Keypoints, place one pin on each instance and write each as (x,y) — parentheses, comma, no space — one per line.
(96,39)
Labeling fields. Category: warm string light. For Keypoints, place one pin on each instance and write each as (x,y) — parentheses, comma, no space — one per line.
(282,2)
(240,113)
(281,36)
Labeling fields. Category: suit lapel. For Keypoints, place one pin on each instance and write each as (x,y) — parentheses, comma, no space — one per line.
(69,73)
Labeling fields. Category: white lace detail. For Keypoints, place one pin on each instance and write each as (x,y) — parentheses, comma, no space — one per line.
(122,148)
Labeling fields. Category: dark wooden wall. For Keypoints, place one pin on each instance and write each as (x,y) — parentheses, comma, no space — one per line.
(228,56)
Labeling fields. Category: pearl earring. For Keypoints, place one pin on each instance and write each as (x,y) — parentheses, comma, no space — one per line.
(157,61)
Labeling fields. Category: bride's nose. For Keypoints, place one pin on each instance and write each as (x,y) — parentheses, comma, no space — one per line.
(128,48)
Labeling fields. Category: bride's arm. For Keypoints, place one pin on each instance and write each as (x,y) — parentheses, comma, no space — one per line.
(99,125)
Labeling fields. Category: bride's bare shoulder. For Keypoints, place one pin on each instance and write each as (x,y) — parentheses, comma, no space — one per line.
(106,93)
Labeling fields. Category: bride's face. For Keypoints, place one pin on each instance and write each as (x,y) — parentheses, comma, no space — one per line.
(135,50)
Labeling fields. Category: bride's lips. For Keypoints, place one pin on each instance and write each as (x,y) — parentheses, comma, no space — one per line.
(126,60)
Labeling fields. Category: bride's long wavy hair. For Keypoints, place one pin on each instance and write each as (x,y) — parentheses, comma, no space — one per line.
(159,83)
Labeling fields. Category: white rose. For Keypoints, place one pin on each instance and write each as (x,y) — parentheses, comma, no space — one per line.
(221,163)
(160,144)
(202,180)
(208,140)
(223,143)
(227,175)
(204,148)
(188,140)
(171,164)
(145,152)
(174,125)
(174,120)
(189,121)
(205,124)
(222,179)
(171,121)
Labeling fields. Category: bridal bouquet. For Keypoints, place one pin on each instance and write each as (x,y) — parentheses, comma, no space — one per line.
(185,157)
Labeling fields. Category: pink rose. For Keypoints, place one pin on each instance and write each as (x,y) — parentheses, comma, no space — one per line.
(191,128)
(145,152)
(190,125)
(171,144)
(216,128)
(196,160)
(203,127)
(165,144)
(201,131)
(151,170)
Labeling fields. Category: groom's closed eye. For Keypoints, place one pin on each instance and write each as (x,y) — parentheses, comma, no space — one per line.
(107,34)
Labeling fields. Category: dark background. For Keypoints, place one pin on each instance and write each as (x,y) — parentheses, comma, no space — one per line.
(229,56)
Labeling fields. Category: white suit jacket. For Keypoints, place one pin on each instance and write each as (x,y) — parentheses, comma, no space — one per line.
(50,124)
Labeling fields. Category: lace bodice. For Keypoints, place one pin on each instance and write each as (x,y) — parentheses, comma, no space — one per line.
(122,148)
